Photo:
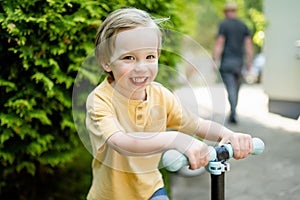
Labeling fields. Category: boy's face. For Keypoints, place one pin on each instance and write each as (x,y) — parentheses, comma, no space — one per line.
(134,62)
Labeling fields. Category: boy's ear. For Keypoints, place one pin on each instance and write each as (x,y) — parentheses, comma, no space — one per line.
(106,67)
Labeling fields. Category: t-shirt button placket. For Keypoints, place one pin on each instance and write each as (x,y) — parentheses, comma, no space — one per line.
(139,115)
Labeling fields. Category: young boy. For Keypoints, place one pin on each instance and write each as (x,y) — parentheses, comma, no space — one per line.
(128,114)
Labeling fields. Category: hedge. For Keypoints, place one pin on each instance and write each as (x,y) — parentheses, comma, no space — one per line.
(44,43)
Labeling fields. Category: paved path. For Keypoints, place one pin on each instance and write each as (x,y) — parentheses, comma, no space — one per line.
(274,175)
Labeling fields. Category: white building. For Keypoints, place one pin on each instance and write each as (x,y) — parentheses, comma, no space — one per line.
(281,73)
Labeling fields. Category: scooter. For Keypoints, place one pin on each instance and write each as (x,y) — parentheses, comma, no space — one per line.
(173,161)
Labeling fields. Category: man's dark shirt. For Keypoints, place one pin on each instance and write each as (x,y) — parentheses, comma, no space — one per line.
(234,32)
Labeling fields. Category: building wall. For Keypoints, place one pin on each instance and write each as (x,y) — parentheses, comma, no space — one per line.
(281,74)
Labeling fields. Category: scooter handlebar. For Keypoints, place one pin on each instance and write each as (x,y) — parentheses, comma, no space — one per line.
(173,160)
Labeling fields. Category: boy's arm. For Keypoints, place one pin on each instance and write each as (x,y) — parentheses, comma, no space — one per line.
(242,143)
(141,144)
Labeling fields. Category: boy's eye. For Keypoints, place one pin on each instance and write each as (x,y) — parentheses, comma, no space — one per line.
(128,58)
(151,57)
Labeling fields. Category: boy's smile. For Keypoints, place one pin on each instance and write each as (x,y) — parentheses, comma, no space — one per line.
(138,81)
(134,62)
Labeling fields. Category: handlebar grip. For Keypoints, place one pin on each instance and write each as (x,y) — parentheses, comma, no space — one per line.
(226,151)
(173,160)
(258,146)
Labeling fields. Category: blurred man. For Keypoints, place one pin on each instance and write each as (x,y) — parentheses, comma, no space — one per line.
(232,39)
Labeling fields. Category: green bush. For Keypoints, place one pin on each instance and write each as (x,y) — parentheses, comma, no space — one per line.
(44,43)
(42,47)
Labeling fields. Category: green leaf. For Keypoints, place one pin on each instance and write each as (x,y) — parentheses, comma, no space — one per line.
(48,84)
(41,115)
(5,135)
(10,120)
(9,86)
(7,156)
(28,166)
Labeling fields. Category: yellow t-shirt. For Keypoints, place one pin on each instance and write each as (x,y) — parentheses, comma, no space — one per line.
(118,177)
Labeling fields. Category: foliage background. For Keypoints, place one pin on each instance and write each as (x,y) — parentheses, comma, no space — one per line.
(43,44)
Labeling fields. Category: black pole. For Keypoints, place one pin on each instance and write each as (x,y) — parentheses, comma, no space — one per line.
(217,186)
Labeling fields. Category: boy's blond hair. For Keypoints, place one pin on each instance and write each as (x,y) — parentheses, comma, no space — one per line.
(122,19)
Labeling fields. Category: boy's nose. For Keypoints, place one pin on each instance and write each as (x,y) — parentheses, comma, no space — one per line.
(140,66)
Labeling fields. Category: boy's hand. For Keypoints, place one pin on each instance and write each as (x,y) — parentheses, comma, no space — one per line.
(198,154)
(241,143)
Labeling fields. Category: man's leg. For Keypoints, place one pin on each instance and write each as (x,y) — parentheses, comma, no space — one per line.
(232,83)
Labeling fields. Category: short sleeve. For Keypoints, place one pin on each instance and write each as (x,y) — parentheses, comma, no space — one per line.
(222,29)
(100,121)
(179,117)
